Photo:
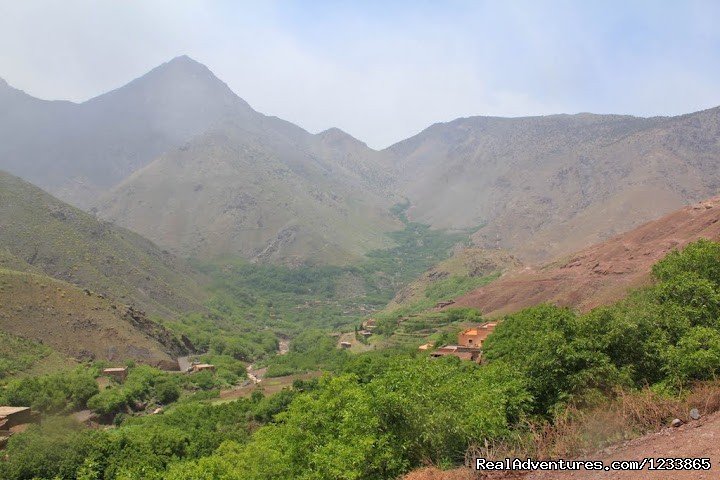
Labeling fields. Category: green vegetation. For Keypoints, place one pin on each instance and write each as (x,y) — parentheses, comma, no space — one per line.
(385,412)
(448,288)
(41,233)
(252,304)
(225,331)
(144,385)
(349,429)
(418,248)
(140,449)
(667,335)
(18,354)
(53,393)
(310,350)
(377,414)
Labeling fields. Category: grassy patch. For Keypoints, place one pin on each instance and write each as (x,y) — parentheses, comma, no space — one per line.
(18,355)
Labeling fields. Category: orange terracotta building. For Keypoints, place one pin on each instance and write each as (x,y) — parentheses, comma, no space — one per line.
(474,337)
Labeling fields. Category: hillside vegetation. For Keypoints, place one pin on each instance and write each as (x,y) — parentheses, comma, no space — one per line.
(384,413)
(252,305)
(78,150)
(17,354)
(42,234)
(77,323)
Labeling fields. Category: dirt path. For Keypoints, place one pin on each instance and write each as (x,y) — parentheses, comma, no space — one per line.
(269,386)
(252,376)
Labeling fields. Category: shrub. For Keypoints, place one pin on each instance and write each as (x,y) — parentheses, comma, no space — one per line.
(54,393)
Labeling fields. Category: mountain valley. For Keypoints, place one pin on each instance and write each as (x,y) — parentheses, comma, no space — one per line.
(275,303)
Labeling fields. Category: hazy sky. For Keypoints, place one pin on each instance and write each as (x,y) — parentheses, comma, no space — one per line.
(381,70)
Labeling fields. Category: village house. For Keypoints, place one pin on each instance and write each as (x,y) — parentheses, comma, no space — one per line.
(118,373)
(469,345)
(13,416)
(201,367)
(463,353)
(369,324)
(345,344)
(365,333)
(474,337)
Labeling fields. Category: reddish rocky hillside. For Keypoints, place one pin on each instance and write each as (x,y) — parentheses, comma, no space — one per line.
(602,273)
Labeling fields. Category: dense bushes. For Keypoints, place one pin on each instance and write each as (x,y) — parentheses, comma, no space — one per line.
(143,384)
(142,448)
(666,334)
(55,393)
(415,410)
(310,350)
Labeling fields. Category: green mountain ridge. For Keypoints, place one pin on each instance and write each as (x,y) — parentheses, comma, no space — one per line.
(39,233)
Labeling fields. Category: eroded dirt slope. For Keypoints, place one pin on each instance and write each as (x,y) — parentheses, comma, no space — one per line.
(602,273)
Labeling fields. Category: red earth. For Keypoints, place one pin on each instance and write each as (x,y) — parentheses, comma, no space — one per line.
(601,273)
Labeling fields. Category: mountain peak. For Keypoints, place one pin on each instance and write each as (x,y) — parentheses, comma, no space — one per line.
(181,81)
(185,61)
(182,65)
(334,135)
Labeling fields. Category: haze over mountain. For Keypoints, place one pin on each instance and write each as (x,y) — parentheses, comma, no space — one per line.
(259,194)
(550,185)
(77,150)
(176,156)
(227,179)
(43,235)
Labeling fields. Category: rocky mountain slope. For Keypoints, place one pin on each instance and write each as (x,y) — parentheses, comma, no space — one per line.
(263,188)
(221,178)
(41,234)
(81,324)
(258,194)
(602,273)
(178,157)
(545,186)
(76,151)
(459,272)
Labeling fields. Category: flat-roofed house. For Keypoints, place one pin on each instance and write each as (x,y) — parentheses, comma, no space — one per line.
(200,367)
(119,373)
(475,336)
(13,416)
(463,353)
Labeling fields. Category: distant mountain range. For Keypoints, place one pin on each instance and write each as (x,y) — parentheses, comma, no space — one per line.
(544,186)
(176,156)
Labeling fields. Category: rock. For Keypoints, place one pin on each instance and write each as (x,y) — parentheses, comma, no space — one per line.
(694,414)
(676,423)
